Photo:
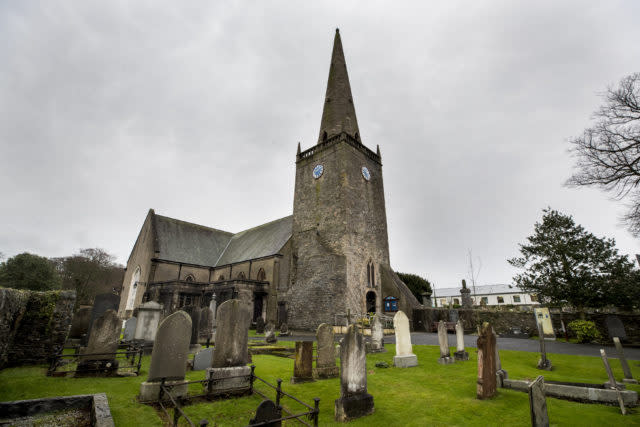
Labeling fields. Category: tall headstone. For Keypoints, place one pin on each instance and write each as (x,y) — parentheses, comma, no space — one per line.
(538,403)
(377,336)
(303,365)
(543,362)
(326,361)
(229,372)
(129,329)
(461,353)
(628,376)
(612,384)
(354,401)
(205,323)
(98,358)
(404,357)
(443,340)
(260,325)
(267,411)
(270,333)
(615,327)
(102,303)
(169,357)
(148,319)
(465,295)
(486,362)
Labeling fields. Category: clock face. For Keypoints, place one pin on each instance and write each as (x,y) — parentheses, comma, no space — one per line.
(317,171)
(365,173)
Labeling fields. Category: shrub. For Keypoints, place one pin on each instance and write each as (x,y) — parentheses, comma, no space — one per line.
(585,330)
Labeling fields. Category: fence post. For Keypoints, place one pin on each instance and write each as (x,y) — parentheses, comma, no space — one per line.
(161,390)
(316,411)
(139,360)
(278,391)
(253,368)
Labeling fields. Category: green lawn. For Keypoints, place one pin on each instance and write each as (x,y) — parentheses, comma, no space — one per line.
(430,394)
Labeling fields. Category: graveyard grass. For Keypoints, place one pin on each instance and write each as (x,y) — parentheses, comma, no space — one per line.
(429,394)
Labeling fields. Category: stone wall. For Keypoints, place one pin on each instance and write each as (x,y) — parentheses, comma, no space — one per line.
(503,321)
(33,325)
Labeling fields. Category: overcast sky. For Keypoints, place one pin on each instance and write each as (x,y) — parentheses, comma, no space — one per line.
(195,109)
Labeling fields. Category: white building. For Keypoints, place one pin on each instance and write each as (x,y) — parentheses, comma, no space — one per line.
(489,295)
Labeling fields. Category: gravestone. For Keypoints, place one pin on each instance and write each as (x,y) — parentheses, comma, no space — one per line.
(202,359)
(284,330)
(501,374)
(267,411)
(453,316)
(615,328)
(465,295)
(303,365)
(461,353)
(194,313)
(404,357)
(486,345)
(538,403)
(103,343)
(260,325)
(205,323)
(148,320)
(80,322)
(129,329)
(354,401)
(443,340)
(213,306)
(543,362)
(229,373)
(377,336)
(326,361)
(628,376)
(612,384)
(270,333)
(102,303)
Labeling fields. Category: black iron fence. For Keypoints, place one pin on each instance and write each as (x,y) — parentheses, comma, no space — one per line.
(121,363)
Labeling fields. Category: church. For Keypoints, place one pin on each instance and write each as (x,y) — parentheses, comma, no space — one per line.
(330,258)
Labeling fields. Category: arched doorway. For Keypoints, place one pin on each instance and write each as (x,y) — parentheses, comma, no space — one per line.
(371,302)
(133,289)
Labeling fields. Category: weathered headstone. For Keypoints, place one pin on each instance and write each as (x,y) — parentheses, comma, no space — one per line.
(426,298)
(326,361)
(202,359)
(229,373)
(270,333)
(615,328)
(443,340)
(80,322)
(148,320)
(612,384)
(486,362)
(404,357)
(303,365)
(103,344)
(628,376)
(169,357)
(213,306)
(461,353)
(354,401)
(377,336)
(267,411)
(129,329)
(284,330)
(538,403)
(543,363)
(260,325)
(465,295)
(102,303)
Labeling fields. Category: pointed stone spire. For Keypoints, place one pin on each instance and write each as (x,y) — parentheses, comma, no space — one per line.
(298,153)
(339,114)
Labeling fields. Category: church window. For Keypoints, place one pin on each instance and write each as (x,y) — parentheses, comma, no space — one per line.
(241,275)
(390,304)
(189,278)
(262,276)
(133,288)
(371,275)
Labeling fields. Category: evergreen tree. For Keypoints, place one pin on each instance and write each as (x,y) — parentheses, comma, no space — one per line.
(416,284)
(28,271)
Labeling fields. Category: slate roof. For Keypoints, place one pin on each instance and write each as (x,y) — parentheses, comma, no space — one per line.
(496,289)
(181,241)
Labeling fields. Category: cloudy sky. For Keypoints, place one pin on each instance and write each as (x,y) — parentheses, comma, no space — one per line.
(109,108)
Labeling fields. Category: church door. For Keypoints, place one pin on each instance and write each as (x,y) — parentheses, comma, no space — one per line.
(371,302)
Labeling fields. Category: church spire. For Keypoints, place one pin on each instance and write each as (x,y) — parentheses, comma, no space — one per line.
(339,114)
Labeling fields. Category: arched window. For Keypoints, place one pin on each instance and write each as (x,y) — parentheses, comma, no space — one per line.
(241,275)
(133,288)
(189,278)
(371,275)
(262,276)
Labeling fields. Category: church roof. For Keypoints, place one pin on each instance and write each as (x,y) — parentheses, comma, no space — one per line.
(263,240)
(186,242)
(339,113)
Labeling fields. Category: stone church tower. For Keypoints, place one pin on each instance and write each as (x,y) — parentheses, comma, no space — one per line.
(340,248)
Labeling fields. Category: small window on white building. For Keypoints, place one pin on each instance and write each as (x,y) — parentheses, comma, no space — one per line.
(516,298)
(485,300)
(500,300)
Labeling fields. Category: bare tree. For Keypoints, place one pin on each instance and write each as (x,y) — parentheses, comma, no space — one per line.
(473,273)
(608,153)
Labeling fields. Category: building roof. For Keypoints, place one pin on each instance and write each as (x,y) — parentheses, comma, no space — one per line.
(263,240)
(480,290)
(186,242)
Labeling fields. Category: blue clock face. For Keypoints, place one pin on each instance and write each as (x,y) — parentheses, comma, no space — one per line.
(317,171)
(365,173)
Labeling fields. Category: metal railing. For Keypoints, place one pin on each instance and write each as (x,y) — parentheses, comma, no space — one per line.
(118,363)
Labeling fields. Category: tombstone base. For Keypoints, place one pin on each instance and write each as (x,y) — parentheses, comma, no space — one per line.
(618,386)
(97,368)
(446,360)
(461,355)
(150,391)
(352,407)
(326,372)
(231,380)
(407,361)
(545,364)
(629,381)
